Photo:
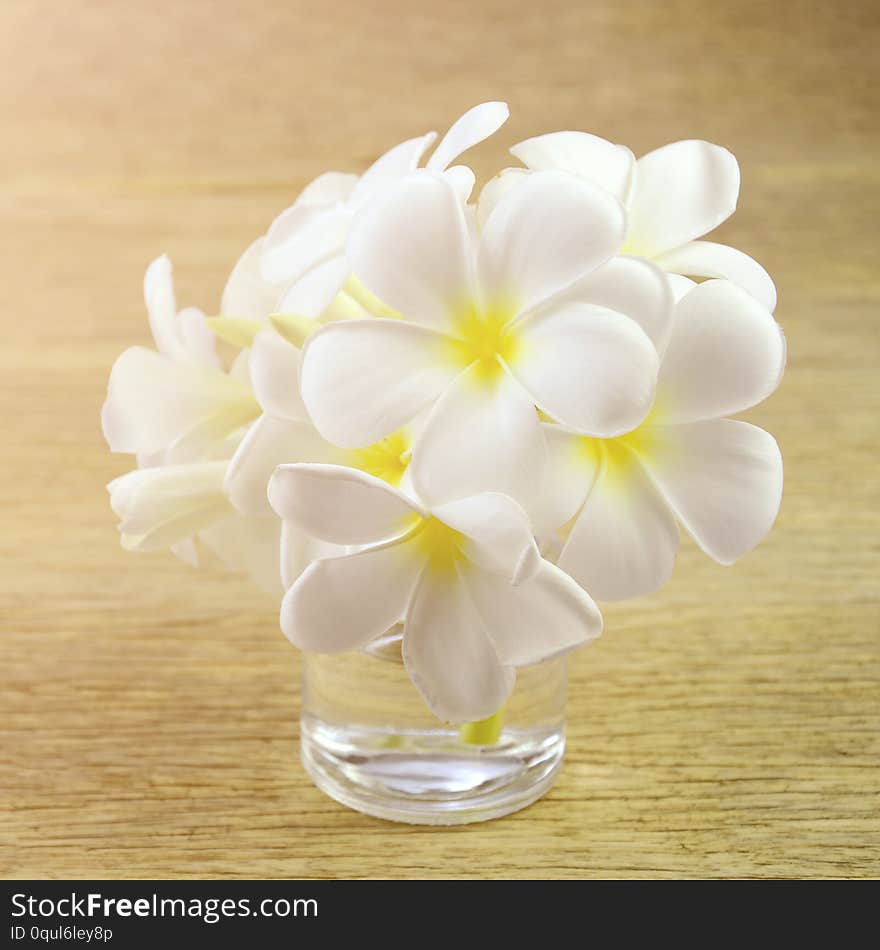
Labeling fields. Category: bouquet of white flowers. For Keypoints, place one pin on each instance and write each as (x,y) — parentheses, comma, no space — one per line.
(468,416)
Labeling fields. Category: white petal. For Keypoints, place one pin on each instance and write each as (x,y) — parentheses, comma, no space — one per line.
(495,189)
(393,165)
(313,293)
(171,533)
(162,307)
(449,656)
(339,604)
(481,435)
(341,505)
(707,259)
(572,467)
(682,191)
(726,353)
(551,546)
(632,286)
(608,165)
(470,217)
(197,338)
(246,294)
(544,234)
(274,369)
(240,370)
(472,128)
(153,402)
(162,506)
(724,480)
(680,285)
(587,367)
(269,443)
(548,615)
(249,545)
(159,286)
(499,535)
(462,179)
(327,189)
(301,237)
(143,496)
(213,438)
(299,549)
(411,248)
(624,541)
(364,379)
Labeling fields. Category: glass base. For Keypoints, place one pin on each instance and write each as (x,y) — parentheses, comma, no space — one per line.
(428,776)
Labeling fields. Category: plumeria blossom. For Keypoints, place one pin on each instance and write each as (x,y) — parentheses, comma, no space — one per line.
(160,505)
(175,402)
(182,415)
(489,327)
(465,578)
(170,506)
(305,246)
(673,197)
(720,478)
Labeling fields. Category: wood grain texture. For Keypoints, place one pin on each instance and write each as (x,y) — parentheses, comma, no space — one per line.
(725,726)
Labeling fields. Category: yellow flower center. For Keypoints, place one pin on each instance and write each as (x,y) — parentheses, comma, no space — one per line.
(617,455)
(483,338)
(387,459)
(440,544)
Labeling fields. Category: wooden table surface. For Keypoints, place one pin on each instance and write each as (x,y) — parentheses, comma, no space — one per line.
(727,726)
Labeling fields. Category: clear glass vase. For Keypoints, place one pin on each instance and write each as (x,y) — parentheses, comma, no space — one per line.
(369,741)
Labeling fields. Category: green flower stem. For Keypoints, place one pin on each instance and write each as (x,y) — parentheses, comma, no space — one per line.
(484,731)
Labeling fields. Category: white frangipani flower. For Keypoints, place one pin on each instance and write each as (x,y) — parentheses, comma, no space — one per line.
(305,246)
(157,406)
(720,478)
(174,403)
(183,416)
(466,579)
(490,329)
(159,506)
(169,506)
(673,196)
